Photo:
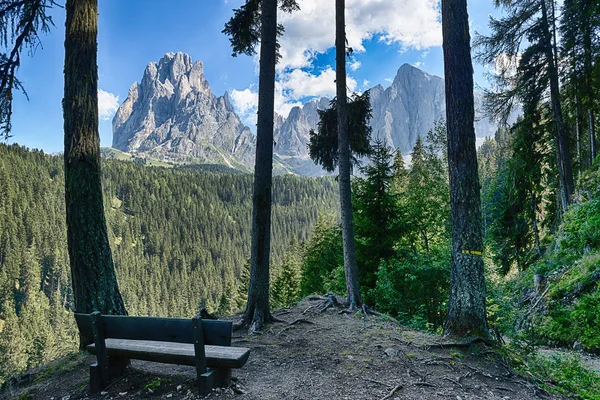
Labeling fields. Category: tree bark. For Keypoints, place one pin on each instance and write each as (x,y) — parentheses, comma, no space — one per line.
(350,264)
(564,156)
(536,231)
(467,312)
(578,129)
(257,309)
(588,67)
(93,275)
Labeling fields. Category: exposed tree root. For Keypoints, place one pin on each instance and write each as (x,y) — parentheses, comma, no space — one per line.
(464,344)
(328,301)
(392,392)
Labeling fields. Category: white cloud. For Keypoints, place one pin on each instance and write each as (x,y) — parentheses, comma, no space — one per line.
(408,23)
(108,103)
(419,64)
(299,84)
(354,65)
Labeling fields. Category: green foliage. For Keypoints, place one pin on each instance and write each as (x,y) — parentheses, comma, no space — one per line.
(244,27)
(427,199)
(564,375)
(286,287)
(415,287)
(376,214)
(21,22)
(321,257)
(179,238)
(323,145)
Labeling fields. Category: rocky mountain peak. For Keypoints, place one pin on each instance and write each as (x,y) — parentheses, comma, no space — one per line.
(173,114)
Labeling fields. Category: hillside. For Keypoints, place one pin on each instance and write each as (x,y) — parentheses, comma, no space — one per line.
(180,240)
(327,356)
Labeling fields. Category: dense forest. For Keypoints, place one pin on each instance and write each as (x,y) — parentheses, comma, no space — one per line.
(498,244)
(180,240)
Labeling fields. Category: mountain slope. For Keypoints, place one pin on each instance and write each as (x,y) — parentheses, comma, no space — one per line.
(173,115)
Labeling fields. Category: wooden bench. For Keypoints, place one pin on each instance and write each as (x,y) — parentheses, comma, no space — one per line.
(204,344)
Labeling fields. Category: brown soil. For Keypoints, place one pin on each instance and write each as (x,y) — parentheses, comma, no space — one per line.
(325,356)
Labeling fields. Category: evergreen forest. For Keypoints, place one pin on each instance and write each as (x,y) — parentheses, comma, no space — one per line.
(179,240)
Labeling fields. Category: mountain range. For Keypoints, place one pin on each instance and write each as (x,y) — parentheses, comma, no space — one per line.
(174,116)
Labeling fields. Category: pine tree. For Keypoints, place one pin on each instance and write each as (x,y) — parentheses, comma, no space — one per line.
(467,311)
(286,287)
(244,30)
(21,22)
(375,213)
(95,285)
(529,22)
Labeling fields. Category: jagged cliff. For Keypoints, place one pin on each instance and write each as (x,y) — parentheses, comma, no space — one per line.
(173,115)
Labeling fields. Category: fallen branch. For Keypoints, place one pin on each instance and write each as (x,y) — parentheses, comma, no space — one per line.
(505,389)
(394,390)
(453,381)
(317,329)
(423,384)
(378,382)
(300,320)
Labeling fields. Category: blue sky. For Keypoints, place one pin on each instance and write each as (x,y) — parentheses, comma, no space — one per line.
(384,33)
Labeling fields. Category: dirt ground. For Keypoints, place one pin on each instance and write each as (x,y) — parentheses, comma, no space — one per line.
(323,356)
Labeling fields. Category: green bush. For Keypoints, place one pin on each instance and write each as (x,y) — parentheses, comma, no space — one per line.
(565,324)
(414,287)
(565,375)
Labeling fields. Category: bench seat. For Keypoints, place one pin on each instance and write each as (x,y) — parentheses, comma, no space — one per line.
(174,353)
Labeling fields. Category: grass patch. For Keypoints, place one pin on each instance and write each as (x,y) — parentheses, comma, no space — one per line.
(563,375)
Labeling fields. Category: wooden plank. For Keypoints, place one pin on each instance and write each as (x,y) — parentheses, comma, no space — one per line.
(175,353)
(179,330)
(204,384)
(100,345)
(84,324)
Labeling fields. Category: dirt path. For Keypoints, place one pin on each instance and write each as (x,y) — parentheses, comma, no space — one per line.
(324,356)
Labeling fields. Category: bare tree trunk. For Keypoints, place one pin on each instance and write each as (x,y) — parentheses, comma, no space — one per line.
(536,231)
(350,264)
(564,156)
(587,46)
(467,312)
(95,285)
(578,130)
(257,310)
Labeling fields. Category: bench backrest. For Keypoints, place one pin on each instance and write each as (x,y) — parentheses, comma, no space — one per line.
(179,330)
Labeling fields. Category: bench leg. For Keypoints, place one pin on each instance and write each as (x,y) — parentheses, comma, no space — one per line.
(205,382)
(96,385)
(116,367)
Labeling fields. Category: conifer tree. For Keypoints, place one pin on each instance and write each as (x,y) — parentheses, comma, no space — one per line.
(580,28)
(467,311)
(257,20)
(376,213)
(93,275)
(531,22)
(21,22)
(350,264)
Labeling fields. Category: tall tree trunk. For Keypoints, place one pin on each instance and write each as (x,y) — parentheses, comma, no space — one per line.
(536,231)
(588,67)
(467,313)
(578,130)
(257,309)
(564,156)
(350,264)
(95,285)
